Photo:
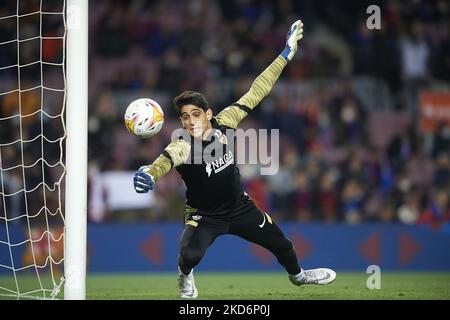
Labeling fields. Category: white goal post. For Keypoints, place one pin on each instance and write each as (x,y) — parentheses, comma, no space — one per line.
(43,148)
(76,150)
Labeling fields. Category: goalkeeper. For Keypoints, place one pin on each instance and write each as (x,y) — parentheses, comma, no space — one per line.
(216,203)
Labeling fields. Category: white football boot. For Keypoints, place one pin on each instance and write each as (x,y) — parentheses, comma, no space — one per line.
(313,276)
(186,285)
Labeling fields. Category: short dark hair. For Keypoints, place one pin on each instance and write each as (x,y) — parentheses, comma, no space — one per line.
(190,97)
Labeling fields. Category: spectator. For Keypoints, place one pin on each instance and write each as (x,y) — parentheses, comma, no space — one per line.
(438,212)
(327,197)
(409,211)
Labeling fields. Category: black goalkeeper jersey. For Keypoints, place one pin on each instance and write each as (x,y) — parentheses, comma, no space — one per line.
(214,185)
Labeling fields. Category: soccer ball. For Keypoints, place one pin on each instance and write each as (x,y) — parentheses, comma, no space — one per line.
(144,117)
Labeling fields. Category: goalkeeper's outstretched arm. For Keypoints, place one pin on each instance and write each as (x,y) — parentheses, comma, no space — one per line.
(263,84)
(175,154)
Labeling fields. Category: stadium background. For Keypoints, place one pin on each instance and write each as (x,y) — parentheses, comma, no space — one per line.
(356,166)
(363,117)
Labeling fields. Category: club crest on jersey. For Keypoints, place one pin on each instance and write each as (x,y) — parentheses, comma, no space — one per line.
(221,137)
(220,163)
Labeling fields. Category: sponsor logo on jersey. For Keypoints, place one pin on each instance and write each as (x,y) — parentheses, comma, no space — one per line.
(220,163)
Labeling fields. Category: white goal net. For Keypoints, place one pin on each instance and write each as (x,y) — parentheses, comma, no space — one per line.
(32,137)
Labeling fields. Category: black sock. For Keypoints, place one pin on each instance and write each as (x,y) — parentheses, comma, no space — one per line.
(289,261)
(186,270)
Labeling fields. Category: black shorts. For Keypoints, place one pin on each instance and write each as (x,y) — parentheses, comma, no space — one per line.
(246,221)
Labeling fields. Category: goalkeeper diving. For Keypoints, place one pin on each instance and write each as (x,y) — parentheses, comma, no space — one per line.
(216,203)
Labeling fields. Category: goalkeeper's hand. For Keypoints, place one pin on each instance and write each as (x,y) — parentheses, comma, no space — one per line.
(143,181)
(294,35)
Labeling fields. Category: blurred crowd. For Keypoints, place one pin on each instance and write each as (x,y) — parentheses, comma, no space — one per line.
(31,112)
(351,147)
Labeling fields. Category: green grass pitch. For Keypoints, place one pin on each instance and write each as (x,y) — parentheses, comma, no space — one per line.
(263,286)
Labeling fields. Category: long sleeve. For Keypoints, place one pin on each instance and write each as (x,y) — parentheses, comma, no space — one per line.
(175,154)
(263,84)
